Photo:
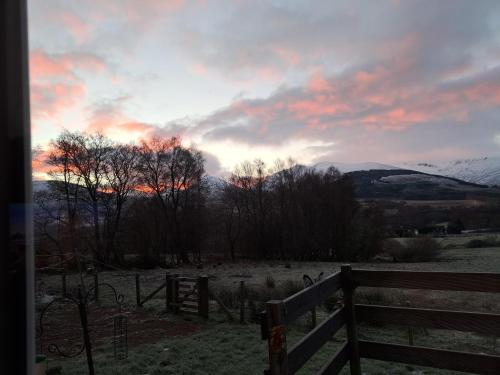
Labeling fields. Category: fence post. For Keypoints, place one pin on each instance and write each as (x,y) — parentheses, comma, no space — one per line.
(175,296)
(278,356)
(203,296)
(96,286)
(169,292)
(137,290)
(82,308)
(167,280)
(242,301)
(63,280)
(351,325)
(410,329)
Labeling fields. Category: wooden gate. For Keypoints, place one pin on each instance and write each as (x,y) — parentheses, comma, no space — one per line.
(183,294)
(188,295)
(279,314)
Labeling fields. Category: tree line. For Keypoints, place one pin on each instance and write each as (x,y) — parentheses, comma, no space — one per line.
(153,200)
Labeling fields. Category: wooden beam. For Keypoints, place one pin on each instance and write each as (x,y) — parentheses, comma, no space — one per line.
(152,294)
(278,358)
(488,324)
(64,289)
(242,301)
(187,280)
(221,304)
(338,361)
(167,291)
(137,290)
(203,296)
(303,301)
(264,330)
(348,288)
(465,281)
(420,356)
(314,340)
(96,286)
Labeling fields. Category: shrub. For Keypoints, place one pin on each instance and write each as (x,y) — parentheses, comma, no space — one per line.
(420,249)
(393,247)
(290,287)
(254,312)
(145,261)
(228,297)
(270,283)
(487,242)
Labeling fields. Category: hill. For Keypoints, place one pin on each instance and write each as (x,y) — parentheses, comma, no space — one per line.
(404,184)
(485,171)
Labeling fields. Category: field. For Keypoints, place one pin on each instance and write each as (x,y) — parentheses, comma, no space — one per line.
(161,343)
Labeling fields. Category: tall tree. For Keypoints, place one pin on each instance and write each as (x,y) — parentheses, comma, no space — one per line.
(121,179)
(173,173)
(89,158)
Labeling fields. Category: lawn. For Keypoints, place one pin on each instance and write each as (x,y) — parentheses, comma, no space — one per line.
(217,346)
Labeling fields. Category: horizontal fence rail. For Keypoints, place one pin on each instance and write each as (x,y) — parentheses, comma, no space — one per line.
(420,356)
(488,324)
(279,314)
(340,359)
(454,281)
(303,301)
(152,294)
(314,340)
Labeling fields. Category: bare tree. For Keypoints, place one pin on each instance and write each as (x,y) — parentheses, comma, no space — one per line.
(185,172)
(172,173)
(154,172)
(66,179)
(121,179)
(89,158)
(232,216)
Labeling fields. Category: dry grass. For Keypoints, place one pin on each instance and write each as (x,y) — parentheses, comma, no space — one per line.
(224,348)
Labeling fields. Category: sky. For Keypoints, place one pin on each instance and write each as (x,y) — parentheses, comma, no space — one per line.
(341,81)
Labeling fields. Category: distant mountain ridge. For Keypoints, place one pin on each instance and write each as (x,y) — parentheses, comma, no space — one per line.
(484,171)
(459,180)
(353,167)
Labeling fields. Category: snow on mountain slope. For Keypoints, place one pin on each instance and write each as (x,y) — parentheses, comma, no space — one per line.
(485,171)
(352,167)
(40,185)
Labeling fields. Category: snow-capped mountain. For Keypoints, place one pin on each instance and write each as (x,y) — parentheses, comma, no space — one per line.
(353,167)
(40,185)
(484,171)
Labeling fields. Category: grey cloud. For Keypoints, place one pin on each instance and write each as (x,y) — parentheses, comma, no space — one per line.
(256,35)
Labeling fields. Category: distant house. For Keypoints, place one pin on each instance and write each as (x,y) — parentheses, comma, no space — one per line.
(444,228)
(436,229)
(404,232)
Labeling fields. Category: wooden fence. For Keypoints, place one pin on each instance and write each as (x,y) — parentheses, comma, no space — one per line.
(182,294)
(279,314)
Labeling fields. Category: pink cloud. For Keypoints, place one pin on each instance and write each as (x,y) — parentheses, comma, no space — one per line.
(110,119)
(375,99)
(55,84)
(318,83)
(62,66)
(76,26)
(39,159)
(47,99)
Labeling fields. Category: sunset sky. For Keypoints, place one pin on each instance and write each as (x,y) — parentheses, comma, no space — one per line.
(348,81)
